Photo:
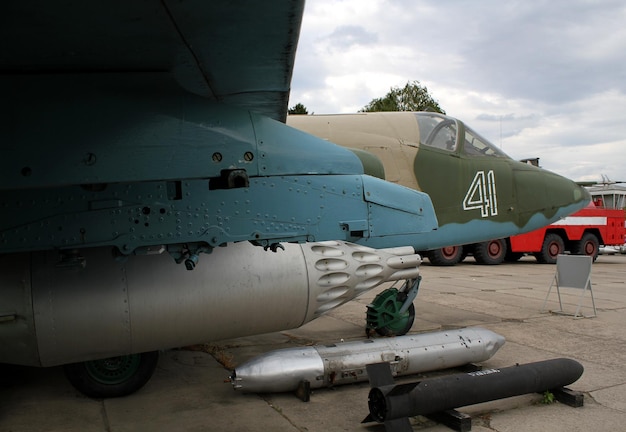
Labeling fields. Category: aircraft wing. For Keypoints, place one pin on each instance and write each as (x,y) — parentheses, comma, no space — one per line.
(212,48)
(143,123)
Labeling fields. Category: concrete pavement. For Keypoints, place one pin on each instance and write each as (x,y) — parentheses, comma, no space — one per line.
(187,392)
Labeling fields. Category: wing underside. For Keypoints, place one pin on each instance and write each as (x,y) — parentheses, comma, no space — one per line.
(239,52)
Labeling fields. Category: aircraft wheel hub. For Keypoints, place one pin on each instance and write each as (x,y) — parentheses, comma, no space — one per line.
(113,370)
(384,316)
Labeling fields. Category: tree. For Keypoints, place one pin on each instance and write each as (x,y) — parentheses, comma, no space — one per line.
(298,109)
(413,97)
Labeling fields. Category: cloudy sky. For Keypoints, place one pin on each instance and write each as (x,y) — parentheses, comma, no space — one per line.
(538,78)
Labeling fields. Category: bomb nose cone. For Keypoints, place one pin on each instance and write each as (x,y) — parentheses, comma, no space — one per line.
(278,370)
(573,368)
(493,341)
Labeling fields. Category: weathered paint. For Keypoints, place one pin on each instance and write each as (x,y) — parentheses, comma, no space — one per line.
(139,126)
(478,192)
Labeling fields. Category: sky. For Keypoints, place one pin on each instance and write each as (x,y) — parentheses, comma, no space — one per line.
(537,78)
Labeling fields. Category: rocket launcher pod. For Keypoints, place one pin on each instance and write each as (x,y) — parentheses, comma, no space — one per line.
(328,365)
(393,404)
(90,305)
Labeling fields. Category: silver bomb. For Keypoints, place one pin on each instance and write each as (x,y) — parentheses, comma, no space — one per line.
(342,363)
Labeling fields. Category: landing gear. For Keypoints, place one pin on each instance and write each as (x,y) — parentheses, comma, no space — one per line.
(392,312)
(112,377)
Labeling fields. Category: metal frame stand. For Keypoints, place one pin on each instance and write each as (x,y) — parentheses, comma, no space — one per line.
(572,271)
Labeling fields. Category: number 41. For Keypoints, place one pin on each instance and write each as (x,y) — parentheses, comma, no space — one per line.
(482,194)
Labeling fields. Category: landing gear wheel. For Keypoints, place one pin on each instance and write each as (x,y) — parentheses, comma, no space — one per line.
(553,245)
(588,245)
(384,315)
(490,252)
(447,256)
(112,377)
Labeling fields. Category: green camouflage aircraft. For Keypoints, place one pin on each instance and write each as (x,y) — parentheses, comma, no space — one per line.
(478,191)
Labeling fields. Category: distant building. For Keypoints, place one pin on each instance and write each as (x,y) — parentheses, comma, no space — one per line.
(608,196)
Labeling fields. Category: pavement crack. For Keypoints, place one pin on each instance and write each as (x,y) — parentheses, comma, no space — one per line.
(589,396)
(514,320)
(105,417)
(619,384)
(282,414)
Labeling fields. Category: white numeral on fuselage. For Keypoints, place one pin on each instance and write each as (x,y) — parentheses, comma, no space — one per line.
(482,194)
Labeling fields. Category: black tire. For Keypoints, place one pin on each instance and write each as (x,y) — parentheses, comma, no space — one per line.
(587,245)
(112,377)
(553,245)
(490,252)
(447,256)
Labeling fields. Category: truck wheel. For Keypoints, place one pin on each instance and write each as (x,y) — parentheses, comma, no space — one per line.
(490,252)
(587,245)
(447,256)
(553,245)
(112,377)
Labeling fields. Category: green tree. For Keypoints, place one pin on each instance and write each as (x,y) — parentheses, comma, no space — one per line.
(298,109)
(413,97)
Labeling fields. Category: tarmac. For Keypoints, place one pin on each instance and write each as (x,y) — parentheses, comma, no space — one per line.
(188,392)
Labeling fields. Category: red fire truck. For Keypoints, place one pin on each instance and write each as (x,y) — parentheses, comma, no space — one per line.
(580,233)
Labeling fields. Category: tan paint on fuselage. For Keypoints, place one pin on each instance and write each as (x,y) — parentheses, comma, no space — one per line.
(393,138)
(451,175)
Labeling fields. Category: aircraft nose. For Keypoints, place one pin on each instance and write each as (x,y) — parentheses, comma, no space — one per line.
(545,195)
(586,196)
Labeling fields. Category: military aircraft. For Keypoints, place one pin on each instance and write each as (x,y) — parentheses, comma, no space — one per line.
(148,187)
(479,192)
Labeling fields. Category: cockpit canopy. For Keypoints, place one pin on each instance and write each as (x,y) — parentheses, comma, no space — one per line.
(446,133)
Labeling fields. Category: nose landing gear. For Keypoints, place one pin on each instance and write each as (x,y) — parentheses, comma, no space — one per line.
(392,312)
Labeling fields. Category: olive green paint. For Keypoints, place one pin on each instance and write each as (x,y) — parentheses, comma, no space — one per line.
(372,165)
(522,190)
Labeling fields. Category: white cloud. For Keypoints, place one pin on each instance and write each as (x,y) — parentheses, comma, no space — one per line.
(543,79)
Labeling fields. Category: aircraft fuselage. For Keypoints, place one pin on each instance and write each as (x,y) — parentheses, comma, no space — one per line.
(479,193)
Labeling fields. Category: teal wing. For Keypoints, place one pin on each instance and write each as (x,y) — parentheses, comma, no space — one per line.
(135,123)
(237,52)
